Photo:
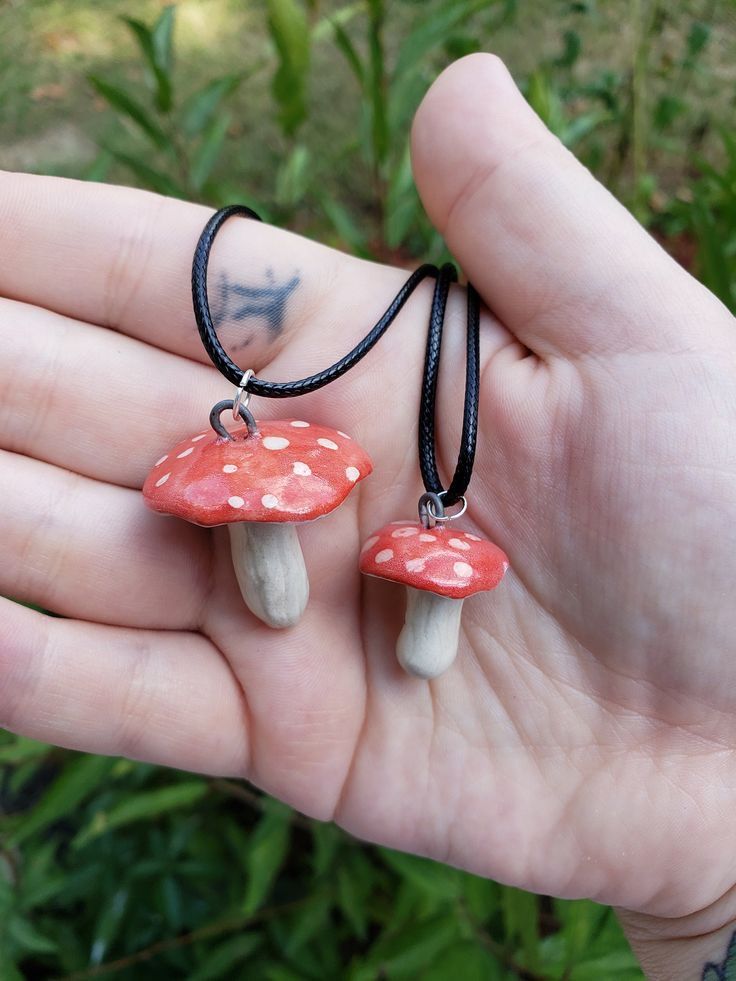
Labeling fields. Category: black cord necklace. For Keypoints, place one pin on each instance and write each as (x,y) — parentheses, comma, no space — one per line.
(279,390)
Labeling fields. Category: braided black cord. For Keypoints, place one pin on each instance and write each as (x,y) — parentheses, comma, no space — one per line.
(268,389)
(468,440)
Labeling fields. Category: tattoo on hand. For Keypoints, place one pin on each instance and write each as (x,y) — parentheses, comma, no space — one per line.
(241,302)
(725,971)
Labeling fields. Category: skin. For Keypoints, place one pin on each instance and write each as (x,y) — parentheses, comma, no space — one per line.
(583,742)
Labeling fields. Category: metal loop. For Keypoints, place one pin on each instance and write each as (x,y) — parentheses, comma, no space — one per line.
(243,396)
(245,414)
(431,509)
(459,514)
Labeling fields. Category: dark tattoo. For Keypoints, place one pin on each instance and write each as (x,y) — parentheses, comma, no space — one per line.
(238,302)
(725,971)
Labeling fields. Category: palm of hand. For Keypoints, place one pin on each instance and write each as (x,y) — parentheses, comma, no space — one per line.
(558,752)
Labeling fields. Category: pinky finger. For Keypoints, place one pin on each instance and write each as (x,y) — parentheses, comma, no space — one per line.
(166,697)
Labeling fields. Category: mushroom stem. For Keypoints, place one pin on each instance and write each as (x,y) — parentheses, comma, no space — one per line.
(428,641)
(269,566)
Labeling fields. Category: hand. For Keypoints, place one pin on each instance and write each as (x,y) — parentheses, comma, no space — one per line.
(582,745)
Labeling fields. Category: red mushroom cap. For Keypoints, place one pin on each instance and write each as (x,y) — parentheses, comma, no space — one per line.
(289,471)
(440,560)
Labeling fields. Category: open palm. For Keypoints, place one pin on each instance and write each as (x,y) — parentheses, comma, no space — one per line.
(580,744)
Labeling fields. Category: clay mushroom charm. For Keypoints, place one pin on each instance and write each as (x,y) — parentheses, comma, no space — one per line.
(259,481)
(441,567)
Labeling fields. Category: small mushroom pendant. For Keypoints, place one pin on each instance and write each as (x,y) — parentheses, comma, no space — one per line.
(260,480)
(440,567)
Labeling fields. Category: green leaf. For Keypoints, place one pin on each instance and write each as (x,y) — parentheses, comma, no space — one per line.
(128,107)
(81,777)
(431,877)
(149,176)
(221,960)
(714,265)
(345,226)
(209,151)
(306,923)
(204,103)
(292,178)
(466,961)
(326,840)
(159,74)
(145,806)
(350,52)
(22,749)
(268,850)
(108,925)
(410,952)
(163,39)
(521,921)
(403,207)
(287,23)
(355,879)
(432,31)
(28,938)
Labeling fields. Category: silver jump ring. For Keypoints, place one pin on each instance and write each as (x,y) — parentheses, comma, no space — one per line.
(242,397)
(451,517)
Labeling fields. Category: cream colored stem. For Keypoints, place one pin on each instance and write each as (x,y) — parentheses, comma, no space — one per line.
(269,566)
(428,641)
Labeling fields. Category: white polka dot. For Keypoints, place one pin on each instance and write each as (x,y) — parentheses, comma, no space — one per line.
(427,538)
(301,469)
(404,532)
(416,565)
(162,480)
(275,442)
(163,459)
(353,474)
(473,538)
(235,502)
(404,522)
(180,456)
(457,543)
(369,543)
(385,555)
(269,501)
(463,570)
(327,443)
(196,439)
(341,433)
(229,468)
(505,566)
(298,424)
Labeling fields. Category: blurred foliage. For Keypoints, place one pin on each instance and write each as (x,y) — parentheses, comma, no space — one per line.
(110,868)
(116,869)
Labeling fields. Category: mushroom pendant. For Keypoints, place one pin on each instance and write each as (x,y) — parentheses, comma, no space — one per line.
(260,480)
(440,567)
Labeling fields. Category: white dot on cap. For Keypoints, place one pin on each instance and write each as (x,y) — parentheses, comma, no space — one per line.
(235,502)
(327,443)
(427,538)
(229,468)
(275,442)
(473,538)
(180,456)
(299,424)
(457,543)
(404,532)
(163,459)
(385,555)
(341,433)
(301,469)
(369,543)
(162,480)
(463,570)
(416,565)
(269,500)
(353,474)
(196,439)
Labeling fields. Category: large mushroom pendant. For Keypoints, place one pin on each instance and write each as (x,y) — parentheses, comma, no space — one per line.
(260,480)
(440,566)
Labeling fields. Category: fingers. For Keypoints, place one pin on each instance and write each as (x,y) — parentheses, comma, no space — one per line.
(562,264)
(92,401)
(122,257)
(81,549)
(164,697)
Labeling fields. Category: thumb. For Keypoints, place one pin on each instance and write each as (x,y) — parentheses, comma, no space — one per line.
(555,256)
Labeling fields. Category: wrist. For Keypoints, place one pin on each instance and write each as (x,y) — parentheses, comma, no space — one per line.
(697,947)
